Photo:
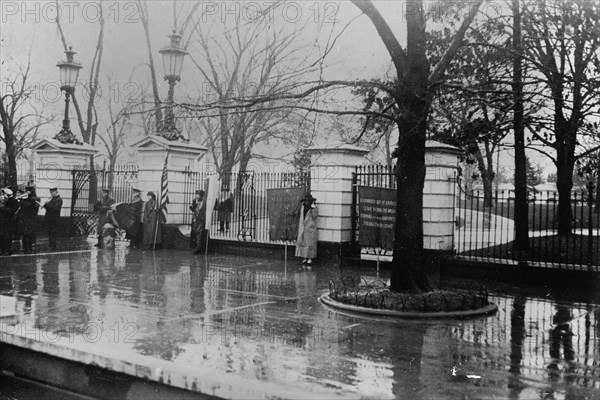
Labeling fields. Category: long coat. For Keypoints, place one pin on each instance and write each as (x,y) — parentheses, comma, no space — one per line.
(8,207)
(199,215)
(27,215)
(102,207)
(306,243)
(152,219)
(225,208)
(134,215)
(52,217)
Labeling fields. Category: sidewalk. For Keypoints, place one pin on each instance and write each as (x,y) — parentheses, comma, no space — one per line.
(240,327)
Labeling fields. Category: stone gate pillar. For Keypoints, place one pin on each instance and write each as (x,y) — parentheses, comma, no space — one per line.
(152,150)
(331,171)
(54,166)
(439,194)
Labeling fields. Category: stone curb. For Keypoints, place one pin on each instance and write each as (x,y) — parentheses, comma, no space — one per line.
(487,310)
(203,381)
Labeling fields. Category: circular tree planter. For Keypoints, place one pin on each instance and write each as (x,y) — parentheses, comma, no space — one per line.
(468,313)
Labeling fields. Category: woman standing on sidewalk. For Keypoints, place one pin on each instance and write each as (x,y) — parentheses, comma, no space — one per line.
(198,209)
(153,222)
(306,243)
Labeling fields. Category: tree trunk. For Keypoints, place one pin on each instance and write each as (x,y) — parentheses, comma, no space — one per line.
(521,206)
(155,95)
(408,273)
(565,162)
(487,177)
(597,198)
(11,158)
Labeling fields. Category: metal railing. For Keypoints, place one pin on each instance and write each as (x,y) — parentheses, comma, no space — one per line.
(247,219)
(485,229)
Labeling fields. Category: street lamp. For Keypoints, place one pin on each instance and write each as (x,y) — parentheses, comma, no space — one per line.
(172,63)
(69,71)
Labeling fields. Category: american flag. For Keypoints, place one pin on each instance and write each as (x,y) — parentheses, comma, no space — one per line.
(164,189)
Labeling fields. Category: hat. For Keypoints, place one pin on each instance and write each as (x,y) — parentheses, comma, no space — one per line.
(8,191)
(136,190)
(308,197)
(105,190)
(200,191)
(54,189)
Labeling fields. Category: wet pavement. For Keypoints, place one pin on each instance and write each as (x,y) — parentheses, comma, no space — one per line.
(244,327)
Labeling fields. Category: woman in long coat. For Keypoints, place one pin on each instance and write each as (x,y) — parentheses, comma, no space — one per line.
(153,222)
(198,209)
(306,243)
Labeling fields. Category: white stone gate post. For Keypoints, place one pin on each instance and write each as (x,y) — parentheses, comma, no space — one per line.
(153,149)
(331,171)
(55,163)
(439,196)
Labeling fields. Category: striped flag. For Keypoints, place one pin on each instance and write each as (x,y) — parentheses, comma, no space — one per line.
(164,189)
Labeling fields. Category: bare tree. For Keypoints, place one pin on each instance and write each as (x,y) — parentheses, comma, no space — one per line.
(113,138)
(145,19)
(563,43)
(88,123)
(244,62)
(19,118)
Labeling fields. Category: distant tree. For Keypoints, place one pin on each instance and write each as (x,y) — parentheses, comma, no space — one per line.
(534,173)
(113,137)
(551,178)
(562,42)
(19,118)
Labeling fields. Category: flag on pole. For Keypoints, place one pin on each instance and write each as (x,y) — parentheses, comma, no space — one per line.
(164,190)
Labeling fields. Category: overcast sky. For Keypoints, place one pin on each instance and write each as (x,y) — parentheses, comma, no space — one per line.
(29,27)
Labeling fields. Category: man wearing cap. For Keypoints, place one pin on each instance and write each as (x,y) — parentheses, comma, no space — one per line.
(101,207)
(52,217)
(8,207)
(29,205)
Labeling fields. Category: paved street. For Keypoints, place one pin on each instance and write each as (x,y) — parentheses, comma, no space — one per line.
(241,327)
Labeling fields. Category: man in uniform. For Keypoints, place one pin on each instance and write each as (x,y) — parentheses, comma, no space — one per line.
(29,205)
(102,207)
(8,207)
(52,217)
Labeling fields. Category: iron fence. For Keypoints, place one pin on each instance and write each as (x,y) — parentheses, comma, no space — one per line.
(485,229)
(247,219)
(24,178)
(87,185)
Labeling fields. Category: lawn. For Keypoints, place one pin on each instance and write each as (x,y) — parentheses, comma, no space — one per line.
(555,249)
(542,214)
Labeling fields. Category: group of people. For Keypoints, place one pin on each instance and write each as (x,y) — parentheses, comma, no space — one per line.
(19,221)
(306,242)
(142,222)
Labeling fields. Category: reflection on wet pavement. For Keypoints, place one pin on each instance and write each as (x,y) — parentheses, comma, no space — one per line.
(258,320)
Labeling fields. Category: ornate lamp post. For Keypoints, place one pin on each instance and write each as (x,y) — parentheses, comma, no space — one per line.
(69,72)
(172,63)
